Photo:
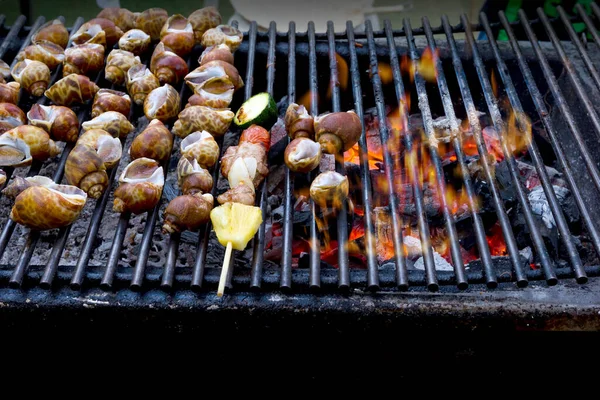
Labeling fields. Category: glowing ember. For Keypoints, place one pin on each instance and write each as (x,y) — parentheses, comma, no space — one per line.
(496,241)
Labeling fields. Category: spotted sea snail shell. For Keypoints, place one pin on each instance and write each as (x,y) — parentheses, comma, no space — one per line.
(203,20)
(192,178)
(140,82)
(85,59)
(9,92)
(140,186)
(220,52)
(14,152)
(151,21)
(118,64)
(121,17)
(112,122)
(162,103)
(85,169)
(155,142)
(38,140)
(4,71)
(112,32)
(202,147)
(72,89)
(178,35)
(52,31)
(200,118)
(33,76)
(109,148)
(11,116)
(42,207)
(19,184)
(49,53)
(167,66)
(187,212)
(60,122)
(223,34)
(111,100)
(90,33)
(135,41)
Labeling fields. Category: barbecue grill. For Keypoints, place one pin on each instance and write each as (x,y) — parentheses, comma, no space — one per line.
(106,261)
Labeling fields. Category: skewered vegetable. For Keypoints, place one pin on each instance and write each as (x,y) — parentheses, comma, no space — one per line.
(259,109)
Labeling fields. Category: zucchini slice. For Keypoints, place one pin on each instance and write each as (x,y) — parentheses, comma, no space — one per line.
(259,109)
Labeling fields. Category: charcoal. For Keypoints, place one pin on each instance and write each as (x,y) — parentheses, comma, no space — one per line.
(541,207)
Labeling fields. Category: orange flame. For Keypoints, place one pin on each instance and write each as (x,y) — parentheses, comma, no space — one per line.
(494,84)
(407,67)
(306,100)
(426,65)
(385,73)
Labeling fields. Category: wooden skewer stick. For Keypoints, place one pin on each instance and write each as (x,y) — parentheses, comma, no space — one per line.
(224,270)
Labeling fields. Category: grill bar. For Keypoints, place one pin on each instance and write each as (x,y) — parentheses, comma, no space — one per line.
(370,246)
(508,234)
(342,219)
(582,52)
(550,130)
(115,252)
(204,233)
(258,255)
(315,244)
(286,256)
(399,251)
(12,34)
(501,129)
(588,23)
(537,160)
(561,103)
(38,22)
(457,260)
(480,238)
(88,243)
(571,73)
(410,157)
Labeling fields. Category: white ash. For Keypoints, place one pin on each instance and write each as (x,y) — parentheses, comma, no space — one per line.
(440,263)
(527,254)
(540,206)
(413,246)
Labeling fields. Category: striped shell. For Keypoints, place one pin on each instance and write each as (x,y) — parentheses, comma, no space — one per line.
(118,64)
(151,21)
(72,89)
(140,82)
(85,59)
(33,76)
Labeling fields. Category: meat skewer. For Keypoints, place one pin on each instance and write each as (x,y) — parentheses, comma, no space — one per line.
(237,220)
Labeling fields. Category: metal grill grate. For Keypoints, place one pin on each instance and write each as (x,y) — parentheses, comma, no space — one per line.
(373,277)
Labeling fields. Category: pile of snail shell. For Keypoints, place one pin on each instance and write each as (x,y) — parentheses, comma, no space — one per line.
(114,42)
